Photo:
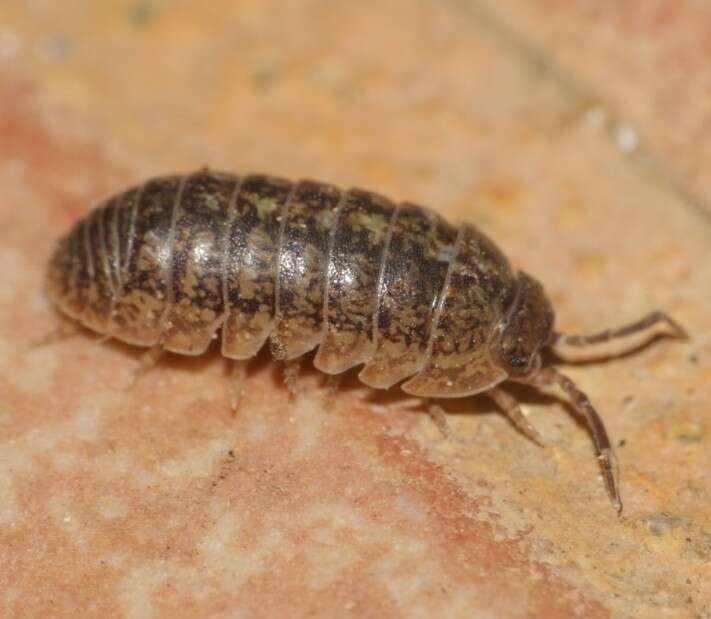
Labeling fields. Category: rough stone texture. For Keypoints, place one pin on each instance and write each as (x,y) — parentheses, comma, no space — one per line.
(155,501)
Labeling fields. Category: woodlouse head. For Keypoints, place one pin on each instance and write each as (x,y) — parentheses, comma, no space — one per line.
(526,329)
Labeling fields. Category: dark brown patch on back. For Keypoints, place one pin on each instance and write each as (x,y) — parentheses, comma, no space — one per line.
(354,263)
(250,266)
(138,313)
(420,248)
(303,253)
(479,286)
(196,309)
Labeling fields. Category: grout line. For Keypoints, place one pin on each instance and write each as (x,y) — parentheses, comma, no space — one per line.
(586,98)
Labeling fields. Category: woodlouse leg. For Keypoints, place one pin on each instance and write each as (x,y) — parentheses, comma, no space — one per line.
(510,406)
(437,414)
(603,448)
(292,368)
(238,374)
(406,404)
(333,382)
(65,329)
(147,361)
(638,326)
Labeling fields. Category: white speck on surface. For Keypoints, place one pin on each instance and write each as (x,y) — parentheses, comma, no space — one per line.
(626,138)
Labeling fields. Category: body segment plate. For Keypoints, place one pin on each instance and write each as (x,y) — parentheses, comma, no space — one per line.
(419,250)
(479,285)
(303,253)
(354,263)
(251,264)
(196,300)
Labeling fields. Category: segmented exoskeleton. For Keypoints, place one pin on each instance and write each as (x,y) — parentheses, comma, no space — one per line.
(303,265)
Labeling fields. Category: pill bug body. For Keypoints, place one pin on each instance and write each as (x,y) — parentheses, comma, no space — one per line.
(392,287)
(301,265)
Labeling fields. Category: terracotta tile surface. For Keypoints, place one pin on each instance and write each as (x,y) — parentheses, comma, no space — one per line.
(640,66)
(156,501)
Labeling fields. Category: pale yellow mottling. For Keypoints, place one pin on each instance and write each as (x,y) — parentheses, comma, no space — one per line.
(112,506)
(113,464)
(64,515)
(144,479)
(404,569)
(13,460)
(8,498)
(412,511)
(9,596)
(6,351)
(308,417)
(65,461)
(137,589)
(257,429)
(330,557)
(219,537)
(240,566)
(197,462)
(13,266)
(84,423)
(38,367)
(17,457)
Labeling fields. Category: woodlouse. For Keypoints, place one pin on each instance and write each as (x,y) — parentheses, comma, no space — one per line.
(304,265)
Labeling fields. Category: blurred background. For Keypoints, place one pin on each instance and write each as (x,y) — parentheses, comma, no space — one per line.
(575,133)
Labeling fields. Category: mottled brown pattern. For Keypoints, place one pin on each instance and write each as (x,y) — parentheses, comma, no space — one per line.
(250,267)
(395,288)
(303,253)
(138,311)
(479,287)
(354,265)
(196,301)
(418,254)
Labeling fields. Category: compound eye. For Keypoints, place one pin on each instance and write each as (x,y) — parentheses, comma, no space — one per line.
(516,362)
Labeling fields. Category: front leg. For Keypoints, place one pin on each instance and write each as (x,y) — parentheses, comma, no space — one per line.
(510,406)
(581,403)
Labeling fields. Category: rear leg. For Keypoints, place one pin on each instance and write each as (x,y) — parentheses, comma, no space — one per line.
(437,414)
(332,384)
(147,361)
(64,330)
(238,374)
(292,369)
(639,326)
